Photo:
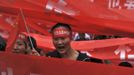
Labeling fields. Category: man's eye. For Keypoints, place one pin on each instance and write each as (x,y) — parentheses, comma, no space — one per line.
(56,39)
(20,44)
(62,38)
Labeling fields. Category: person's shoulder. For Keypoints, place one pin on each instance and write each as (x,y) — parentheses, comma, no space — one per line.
(53,54)
(96,60)
(83,57)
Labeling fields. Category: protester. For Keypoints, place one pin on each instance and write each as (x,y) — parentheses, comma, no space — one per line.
(20,45)
(62,37)
(82,37)
(25,45)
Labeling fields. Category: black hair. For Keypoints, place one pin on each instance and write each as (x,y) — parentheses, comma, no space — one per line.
(25,44)
(2,44)
(61,25)
(125,64)
(31,39)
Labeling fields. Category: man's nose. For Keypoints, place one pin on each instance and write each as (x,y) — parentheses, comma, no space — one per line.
(15,46)
(60,41)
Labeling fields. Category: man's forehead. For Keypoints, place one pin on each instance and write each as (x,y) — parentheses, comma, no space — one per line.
(61,27)
(61,32)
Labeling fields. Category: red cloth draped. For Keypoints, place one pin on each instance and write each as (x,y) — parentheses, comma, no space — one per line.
(85,16)
(99,17)
(16,64)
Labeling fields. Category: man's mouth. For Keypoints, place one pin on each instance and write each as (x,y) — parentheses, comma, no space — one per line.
(16,50)
(62,51)
(61,47)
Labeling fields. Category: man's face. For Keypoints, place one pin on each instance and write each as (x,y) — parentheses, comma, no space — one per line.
(62,39)
(19,46)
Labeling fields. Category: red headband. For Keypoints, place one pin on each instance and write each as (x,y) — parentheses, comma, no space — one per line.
(61,32)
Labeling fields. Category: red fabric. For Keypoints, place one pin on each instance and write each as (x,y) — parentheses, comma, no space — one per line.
(84,16)
(13,35)
(46,42)
(110,49)
(4,23)
(16,64)
(33,25)
(11,40)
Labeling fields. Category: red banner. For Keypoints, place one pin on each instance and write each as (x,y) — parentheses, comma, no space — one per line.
(15,64)
(118,49)
(107,17)
(110,17)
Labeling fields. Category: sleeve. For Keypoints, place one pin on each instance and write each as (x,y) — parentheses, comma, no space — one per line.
(96,60)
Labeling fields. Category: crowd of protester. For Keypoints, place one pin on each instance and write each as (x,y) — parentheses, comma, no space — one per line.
(79,36)
(27,45)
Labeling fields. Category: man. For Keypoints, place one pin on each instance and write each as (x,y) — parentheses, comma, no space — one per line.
(82,37)
(62,37)
(20,45)
(23,45)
